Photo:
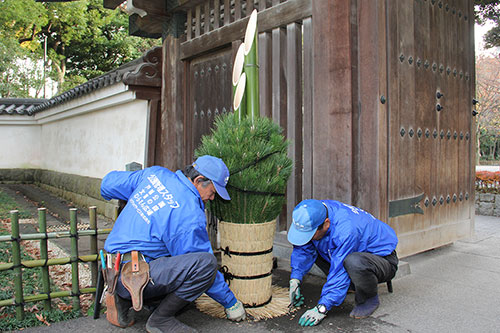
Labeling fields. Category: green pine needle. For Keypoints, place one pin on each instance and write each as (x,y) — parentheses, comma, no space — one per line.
(240,145)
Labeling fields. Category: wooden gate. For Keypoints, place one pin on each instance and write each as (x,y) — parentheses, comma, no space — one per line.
(214,31)
(374,96)
(431,136)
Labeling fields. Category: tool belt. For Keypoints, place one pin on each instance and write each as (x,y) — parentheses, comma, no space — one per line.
(134,275)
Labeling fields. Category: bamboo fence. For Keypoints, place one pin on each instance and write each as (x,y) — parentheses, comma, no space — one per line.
(19,299)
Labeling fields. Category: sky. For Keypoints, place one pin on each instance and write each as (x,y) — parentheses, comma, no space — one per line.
(479,31)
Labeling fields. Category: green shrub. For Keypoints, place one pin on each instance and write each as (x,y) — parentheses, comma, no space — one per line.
(256,156)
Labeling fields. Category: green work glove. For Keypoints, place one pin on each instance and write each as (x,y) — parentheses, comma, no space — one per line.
(236,312)
(313,316)
(296,297)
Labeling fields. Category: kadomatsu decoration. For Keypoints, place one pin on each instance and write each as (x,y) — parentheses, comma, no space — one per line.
(255,152)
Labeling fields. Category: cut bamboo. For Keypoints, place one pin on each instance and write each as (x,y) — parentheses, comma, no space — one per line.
(75,288)
(239,61)
(239,98)
(42,227)
(252,67)
(16,260)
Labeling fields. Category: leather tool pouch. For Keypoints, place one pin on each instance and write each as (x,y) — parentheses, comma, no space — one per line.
(135,277)
(111,277)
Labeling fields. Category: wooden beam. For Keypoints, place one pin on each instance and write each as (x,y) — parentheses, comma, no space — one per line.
(279,15)
(112,4)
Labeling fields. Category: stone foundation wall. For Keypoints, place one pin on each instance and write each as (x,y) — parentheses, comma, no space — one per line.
(488,204)
(82,191)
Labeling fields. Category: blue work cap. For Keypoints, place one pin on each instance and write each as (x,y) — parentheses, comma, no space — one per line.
(216,170)
(306,217)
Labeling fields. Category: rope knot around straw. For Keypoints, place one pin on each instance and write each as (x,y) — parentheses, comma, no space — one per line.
(227,275)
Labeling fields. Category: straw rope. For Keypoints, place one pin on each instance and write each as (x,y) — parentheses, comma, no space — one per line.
(248,276)
(276,308)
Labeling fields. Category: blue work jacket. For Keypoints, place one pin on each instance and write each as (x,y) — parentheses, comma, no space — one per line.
(351,230)
(164,216)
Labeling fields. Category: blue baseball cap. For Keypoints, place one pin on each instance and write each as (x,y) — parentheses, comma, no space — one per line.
(307,216)
(216,170)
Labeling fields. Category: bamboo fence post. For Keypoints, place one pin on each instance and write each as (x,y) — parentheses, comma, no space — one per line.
(93,242)
(42,226)
(75,289)
(16,259)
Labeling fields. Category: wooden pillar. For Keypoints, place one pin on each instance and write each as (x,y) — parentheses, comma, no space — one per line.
(332,100)
(171,125)
(370,159)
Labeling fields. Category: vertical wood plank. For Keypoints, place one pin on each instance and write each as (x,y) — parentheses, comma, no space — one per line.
(189,24)
(216,14)
(197,28)
(250,7)
(393,104)
(172,112)
(307,121)
(332,100)
(370,146)
(207,17)
(237,9)
(227,12)
(265,74)
(279,98)
(294,116)
(421,177)
(262,4)
(278,77)
(424,104)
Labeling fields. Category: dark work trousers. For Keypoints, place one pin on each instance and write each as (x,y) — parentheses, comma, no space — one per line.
(366,271)
(187,275)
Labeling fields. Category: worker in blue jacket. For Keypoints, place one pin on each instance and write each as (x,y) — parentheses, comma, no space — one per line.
(350,246)
(164,219)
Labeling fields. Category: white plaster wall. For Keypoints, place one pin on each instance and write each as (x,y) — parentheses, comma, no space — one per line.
(87,136)
(95,143)
(20,143)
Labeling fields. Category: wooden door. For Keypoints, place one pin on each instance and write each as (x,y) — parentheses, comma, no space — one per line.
(209,95)
(430,92)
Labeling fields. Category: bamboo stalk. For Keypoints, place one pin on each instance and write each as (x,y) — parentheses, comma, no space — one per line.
(59,234)
(50,262)
(239,98)
(239,61)
(42,226)
(252,67)
(93,242)
(74,259)
(41,297)
(16,259)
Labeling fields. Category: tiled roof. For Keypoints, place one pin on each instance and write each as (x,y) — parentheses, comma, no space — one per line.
(131,73)
(19,105)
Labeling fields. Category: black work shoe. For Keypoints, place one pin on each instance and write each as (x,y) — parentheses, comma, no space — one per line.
(163,317)
(118,311)
(365,309)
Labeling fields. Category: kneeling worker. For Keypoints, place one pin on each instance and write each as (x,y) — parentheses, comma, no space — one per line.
(350,246)
(164,222)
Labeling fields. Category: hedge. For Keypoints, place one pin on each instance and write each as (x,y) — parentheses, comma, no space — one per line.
(488,182)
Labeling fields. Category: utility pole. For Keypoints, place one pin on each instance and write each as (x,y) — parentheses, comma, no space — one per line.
(44,65)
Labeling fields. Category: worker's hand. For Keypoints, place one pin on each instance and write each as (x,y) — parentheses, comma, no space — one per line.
(236,312)
(296,297)
(313,316)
